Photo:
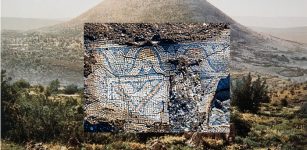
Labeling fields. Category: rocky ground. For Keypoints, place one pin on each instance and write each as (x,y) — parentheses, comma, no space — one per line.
(130,34)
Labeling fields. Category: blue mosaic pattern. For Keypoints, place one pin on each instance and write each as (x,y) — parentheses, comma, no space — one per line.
(136,89)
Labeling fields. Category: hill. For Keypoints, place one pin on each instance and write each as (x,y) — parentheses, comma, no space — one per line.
(59,52)
(23,24)
(272,22)
(298,34)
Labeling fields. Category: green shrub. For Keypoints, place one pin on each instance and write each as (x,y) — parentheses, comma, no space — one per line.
(34,117)
(247,94)
(22,84)
(71,89)
(53,87)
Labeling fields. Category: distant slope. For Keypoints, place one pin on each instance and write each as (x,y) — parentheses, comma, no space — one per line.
(272,22)
(8,23)
(297,34)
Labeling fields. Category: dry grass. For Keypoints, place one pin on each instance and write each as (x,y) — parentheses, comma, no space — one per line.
(6,145)
(214,142)
(136,146)
(293,93)
(55,146)
(173,139)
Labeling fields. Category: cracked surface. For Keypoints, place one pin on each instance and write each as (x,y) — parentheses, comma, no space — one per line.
(158,83)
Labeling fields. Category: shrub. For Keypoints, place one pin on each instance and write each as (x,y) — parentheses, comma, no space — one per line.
(53,87)
(71,89)
(248,94)
(22,84)
(34,117)
(284,102)
(41,88)
(8,107)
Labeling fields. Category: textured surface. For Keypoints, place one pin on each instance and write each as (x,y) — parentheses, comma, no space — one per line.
(164,79)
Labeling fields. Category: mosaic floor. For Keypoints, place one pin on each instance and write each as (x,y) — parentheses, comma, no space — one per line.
(156,78)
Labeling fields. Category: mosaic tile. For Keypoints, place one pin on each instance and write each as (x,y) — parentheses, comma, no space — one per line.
(157,78)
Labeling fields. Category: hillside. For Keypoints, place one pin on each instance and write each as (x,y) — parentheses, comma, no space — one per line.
(23,24)
(152,11)
(59,52)
(297,34)
(271,22)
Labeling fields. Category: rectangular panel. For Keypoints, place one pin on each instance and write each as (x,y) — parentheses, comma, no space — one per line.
(157,77)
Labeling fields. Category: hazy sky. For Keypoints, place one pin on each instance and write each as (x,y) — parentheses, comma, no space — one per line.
(263,8)
(72,8)
(46,8)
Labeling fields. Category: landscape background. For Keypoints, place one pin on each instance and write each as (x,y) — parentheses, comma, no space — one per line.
(40,51)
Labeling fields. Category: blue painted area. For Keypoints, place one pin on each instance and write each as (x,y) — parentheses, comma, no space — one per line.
(222,92)
(224,84)
(141,72)
(100,127)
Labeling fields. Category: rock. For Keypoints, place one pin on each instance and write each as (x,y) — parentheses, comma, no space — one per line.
(153,32)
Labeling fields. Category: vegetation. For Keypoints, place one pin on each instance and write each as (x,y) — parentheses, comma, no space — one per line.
(274,128)
(53,87)
(248,94)
(29,117)
(35,117)
(71,89)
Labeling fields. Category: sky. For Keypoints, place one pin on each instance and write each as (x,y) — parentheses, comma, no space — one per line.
(260,13)
(71,8)
(262,8)
(46,9)
(265,13)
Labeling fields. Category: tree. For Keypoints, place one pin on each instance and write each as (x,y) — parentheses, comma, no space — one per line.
(53,87)
(248,94)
